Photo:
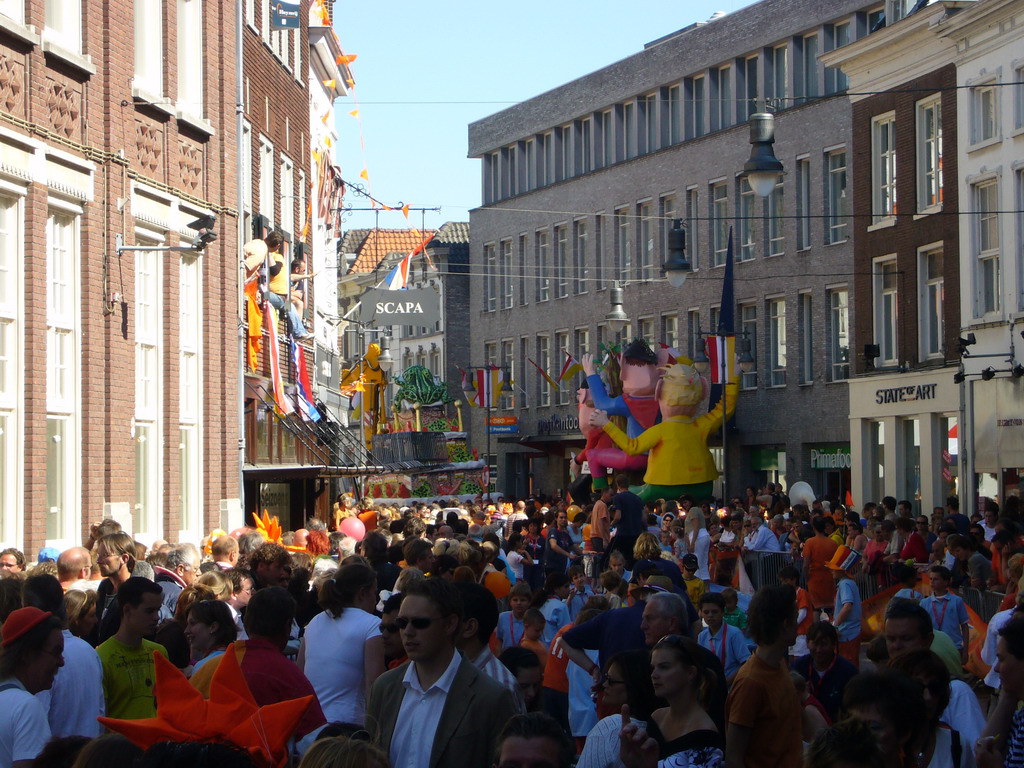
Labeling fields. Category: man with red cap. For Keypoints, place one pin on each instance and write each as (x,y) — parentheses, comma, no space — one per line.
(33,651)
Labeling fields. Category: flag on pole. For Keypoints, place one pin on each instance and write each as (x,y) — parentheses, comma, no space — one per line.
(570,368)
(547,377)
(307,410)
(398,278)
(281,403)
(489,381)
(721,349)
(727,312)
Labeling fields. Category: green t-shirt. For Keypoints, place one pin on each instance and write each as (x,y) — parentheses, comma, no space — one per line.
(128,677)
(736,619)
(944,647)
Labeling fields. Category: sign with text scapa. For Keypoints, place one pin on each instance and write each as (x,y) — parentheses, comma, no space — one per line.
(284,15)
(416,306)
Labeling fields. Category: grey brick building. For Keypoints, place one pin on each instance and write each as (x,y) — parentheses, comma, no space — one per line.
(580,185)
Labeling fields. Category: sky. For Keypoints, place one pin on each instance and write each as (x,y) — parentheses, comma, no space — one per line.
(479,58)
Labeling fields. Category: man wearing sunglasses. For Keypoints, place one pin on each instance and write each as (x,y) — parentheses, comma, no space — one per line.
(438,710)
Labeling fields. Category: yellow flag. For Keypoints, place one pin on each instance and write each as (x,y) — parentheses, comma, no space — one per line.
(354,113)
(364,175)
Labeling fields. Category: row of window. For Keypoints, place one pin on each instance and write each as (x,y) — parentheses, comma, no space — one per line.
(572,257)
(783,75)
(291,189)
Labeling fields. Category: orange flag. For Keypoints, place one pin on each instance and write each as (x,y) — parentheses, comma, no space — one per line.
(326,117)
(329,83)
(364,175)
(354,113)
(346,58)
(405,210)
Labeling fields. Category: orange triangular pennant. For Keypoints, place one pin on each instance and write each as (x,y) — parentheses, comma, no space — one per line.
(364,175)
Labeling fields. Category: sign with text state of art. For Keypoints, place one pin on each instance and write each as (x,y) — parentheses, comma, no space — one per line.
(284,15)
(416,306)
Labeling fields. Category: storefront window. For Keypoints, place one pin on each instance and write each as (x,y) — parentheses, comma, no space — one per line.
(877,468)
(950,448)
(911,490)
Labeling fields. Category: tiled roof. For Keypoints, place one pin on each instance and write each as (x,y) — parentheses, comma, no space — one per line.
(379,243)
(352,239)
(452,232)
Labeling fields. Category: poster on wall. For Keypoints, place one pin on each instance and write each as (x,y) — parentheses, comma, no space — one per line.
(275,498)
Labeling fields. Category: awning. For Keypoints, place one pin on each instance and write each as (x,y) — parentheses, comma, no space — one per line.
(304,471)
(546,443)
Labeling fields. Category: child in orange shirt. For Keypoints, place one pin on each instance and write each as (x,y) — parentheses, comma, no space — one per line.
(533,627)
(804,611)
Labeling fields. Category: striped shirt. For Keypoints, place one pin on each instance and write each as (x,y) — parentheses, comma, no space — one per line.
(1015,744)
(488,663)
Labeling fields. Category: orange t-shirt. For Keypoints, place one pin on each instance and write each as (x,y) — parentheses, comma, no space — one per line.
(818,550)
(537,647)
(556,675)
(803,600)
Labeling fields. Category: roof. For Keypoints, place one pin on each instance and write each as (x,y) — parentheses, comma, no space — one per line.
(379,243)
(352,239)
(452,232)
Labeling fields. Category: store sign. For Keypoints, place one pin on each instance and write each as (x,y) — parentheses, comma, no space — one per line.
(503,425)
(908,394)
(558,425)
(416,306)
(831,457)
(284,15)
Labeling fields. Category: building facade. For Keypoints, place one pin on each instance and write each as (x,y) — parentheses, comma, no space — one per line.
(611,159)
(115,130)
(904,405)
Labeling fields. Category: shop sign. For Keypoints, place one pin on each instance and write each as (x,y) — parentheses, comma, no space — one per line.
(831,457)
(908,394)
(285,15)
(416,306)
(558,425)
(503,425)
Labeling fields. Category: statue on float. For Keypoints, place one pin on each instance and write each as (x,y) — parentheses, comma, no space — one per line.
(678,460)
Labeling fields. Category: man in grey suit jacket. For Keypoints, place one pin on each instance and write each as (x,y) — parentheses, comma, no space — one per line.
(437,710)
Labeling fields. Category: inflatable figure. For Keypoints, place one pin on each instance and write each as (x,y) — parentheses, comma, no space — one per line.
(639,374)
(679,461)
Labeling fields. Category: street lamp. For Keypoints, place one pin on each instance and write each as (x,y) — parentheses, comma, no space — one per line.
(677,266)
(763,169)
(745,359)
(617,319)
(384,360)
(700,358)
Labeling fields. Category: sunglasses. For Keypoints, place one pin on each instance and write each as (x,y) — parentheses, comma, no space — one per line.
(419,622)
(613,681)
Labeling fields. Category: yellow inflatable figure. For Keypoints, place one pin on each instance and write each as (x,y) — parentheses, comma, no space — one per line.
(368,375)
(679,461)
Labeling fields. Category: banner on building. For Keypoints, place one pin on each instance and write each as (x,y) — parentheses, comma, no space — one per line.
(415,306)
(284,15)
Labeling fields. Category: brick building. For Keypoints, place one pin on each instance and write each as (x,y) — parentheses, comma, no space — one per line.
(114,124)
(904,404)
(580,186)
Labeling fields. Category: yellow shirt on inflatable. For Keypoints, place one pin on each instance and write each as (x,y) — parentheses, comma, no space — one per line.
(678,446)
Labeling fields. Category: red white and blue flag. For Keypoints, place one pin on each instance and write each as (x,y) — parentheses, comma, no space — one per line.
(282,404)
(398,278)
(304,391)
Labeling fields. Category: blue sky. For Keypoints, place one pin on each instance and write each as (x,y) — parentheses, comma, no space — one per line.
(416,55)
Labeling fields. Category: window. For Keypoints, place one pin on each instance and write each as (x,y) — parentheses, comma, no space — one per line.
(505,275)
(929,154)
(584,145)
(579,256)
(777,79)
(607,139)
(883,167)
(745,221)
(930,302)
(747,103)
(693,227)
(777,221)
(490,268)
(776,342)
(548,152)
(523,385)
(15,10)
(984,113)
(886,314)
(492,178)
(623,246)
(673,110)
(561,262)
(803,203)
(719,223)
(693,339)
(986,247)
(646,241)
(543,248)
(839,334)
(287,196)
(723,98)
(190,57)
(530,161)
(807,87)
(267,181)
(508,362)
(599,251)
(836,203)
(628,130)
(838,35)
(544,363)
(523,246)
(748,326)
(568,169)
(648,117)
(670,331)
(11,447)
(561,350)
(695,107)
(149,54)
(1018,90)
(806,321)
(64,23)
(190,391)
(510,174)
(667,214)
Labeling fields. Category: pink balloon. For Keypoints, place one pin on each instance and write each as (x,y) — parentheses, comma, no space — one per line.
(353,526)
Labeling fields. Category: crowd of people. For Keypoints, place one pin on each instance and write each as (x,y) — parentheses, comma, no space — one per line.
(532,634)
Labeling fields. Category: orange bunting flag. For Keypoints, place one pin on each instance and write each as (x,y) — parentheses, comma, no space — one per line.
(326,117)
(354,113)
(364,175)
(405,210)
(327,141)
(329,83)
(346,58)
(387,207)
(351,83)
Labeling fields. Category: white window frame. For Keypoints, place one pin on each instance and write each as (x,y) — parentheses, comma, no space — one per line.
(561,346)
(930,303)
(148,82)
(508,360)
(776,317)
(147,424)
(748,324)
(646,239)
(929,154)
(746,236)
(489,277)
(803,203)
(837,205)
(190,58)
(266,180)
(987,261)
(505,282)
(287,197)
(718,204)
(12,369)
(190,410)
(778,83)
(560,237)
(623,244)
(839,331)
(777,220)
(985,100)
(883,169)
(885,314)
(806,318)
(245,147)
(13,9)
(542,245)
(63,24)
(581,268)
(544,362)
(693,227)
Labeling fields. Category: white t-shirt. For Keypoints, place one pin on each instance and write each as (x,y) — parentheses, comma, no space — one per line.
(964,713)
(942,755)
(602,747)
(76,698)
(515,562)
(334,662)
(23,727)
(988,651)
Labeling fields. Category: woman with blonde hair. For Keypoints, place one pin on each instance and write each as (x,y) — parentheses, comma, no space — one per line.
(344,752)
(218,582)
(80,605)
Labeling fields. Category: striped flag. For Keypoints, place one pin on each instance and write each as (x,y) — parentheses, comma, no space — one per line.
(398,278)
(304,391)
(547,377)
(673,353)
(489,381)
(719,347)
(281,403)
(570,368)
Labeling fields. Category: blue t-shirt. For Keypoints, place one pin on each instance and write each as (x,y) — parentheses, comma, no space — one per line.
(847,592)
(909,594)
(509,630)
(631,513)
(735,650)
(948,613)
(556,616)
(610,632)
(577,600)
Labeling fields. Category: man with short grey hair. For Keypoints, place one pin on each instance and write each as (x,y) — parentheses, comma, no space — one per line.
(181,571)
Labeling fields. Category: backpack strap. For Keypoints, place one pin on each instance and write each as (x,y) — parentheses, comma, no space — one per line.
(956,748)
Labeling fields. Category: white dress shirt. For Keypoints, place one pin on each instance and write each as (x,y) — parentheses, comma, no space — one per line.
(419,715)
(488,663)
